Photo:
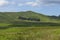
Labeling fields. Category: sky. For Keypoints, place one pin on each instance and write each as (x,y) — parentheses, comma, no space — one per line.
(47,7)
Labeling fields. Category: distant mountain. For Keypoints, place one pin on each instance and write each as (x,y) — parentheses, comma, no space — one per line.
(13,16)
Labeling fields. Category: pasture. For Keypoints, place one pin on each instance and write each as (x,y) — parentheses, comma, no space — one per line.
(29,25)
(30,33)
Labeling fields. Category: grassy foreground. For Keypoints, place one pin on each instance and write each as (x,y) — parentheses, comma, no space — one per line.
(30,33)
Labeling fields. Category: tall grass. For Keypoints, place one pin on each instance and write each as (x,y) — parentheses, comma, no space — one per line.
(39,33)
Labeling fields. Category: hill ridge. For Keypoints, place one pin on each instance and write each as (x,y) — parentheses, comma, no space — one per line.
(13,16)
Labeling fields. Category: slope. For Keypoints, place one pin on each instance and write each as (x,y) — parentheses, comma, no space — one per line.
(13,16)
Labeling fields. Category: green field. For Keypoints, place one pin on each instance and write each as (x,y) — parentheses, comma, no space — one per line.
(34,31)
(13,28)
(30,33)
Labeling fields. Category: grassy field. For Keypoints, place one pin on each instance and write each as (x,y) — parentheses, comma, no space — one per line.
(13,28)
(30,33)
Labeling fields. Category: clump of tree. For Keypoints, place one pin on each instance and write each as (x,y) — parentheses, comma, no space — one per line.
(32,19)
(59,17)
(54,17)
(22,18)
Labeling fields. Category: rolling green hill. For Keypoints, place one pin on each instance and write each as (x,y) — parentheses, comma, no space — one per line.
(12,28)
(13,16)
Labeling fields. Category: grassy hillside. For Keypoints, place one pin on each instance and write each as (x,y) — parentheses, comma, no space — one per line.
(12,28)
(13,16)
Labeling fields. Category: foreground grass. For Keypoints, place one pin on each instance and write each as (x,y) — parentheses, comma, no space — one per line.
(32,33)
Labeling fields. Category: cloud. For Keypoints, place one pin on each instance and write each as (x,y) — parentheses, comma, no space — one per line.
(32,3)
(20,4)
(35,3)
(3,2)
(40,3)
(51,2)
(44,2)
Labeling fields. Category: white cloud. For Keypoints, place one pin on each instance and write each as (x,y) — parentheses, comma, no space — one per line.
(3,2)
(29,3)
(35,3)
(20,4)
(32,3)
(44,2)
(40,3)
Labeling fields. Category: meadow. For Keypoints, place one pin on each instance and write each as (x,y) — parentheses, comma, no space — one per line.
(26,32)
(30,33)
(13,28)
